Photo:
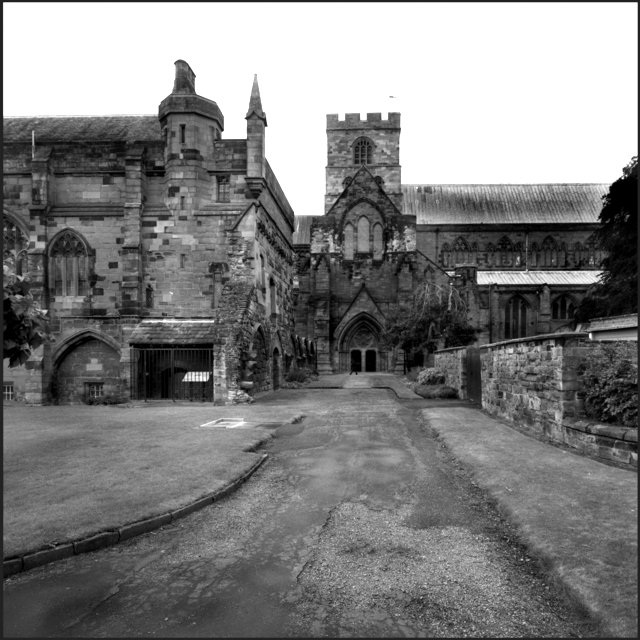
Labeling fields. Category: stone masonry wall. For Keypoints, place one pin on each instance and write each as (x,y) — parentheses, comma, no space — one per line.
(452,362)
(534,384)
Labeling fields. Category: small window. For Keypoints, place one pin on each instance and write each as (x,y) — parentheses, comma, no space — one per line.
(223,189)
(183,133)
(148,297)
(183,260)
(7,391)
(362,151)
(94,389)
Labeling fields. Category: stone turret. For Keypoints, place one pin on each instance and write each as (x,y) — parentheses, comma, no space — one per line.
(190,123)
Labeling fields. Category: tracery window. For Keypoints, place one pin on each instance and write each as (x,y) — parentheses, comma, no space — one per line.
(491,255)
(14,247)
(593,256)
(518,255)
(461,251)
(362,151)
(549,252)
(562,308)
(68,266)
(505,251)
(516,313)
(446,255)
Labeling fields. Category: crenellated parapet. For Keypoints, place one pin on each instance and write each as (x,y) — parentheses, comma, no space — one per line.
(354,120)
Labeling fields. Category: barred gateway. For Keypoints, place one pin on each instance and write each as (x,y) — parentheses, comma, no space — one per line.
(172,373)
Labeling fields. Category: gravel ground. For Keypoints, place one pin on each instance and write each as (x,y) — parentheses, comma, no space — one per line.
(374,576)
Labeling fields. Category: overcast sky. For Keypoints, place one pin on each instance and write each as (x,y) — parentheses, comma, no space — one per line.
(488,92)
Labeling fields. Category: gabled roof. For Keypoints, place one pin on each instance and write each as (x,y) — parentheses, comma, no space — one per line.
(172,331)
(503,203)
(363,179)
(520,278)
(82,129)
(302,229)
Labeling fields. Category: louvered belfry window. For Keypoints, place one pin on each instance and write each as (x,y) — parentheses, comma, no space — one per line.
(362,151)
(69,266)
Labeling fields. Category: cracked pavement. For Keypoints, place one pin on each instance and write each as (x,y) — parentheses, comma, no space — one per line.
(359,524)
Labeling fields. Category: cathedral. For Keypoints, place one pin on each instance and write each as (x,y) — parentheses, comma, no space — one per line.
(172,266)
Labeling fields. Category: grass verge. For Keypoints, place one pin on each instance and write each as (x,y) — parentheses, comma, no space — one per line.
(72,471)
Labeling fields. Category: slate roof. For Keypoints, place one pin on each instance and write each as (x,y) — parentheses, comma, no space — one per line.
(613,322)
(503,203)
(171,331)
(82,129)
(302,229)
(520,278)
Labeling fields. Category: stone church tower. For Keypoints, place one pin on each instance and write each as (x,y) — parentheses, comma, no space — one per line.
(358,263)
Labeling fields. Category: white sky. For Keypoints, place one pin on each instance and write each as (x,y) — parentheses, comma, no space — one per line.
(488,92)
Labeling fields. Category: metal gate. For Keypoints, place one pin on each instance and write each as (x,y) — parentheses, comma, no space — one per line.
(474,377)
(179,373)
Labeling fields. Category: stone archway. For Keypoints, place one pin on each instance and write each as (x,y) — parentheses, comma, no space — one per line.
(88,367)
(276,367)
(361,348)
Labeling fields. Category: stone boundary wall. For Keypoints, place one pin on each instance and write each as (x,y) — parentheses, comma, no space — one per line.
(452,362)
(533,383)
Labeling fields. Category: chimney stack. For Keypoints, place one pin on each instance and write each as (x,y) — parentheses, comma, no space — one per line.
(185,81)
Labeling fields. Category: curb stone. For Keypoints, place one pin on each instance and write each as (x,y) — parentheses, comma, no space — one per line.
(32,559)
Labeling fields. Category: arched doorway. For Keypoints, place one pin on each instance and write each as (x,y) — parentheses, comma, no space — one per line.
(86,368)
(276,369)
(361,348)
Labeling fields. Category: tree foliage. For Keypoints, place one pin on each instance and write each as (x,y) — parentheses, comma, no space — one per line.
(436,317)
(616,292)
(24,323)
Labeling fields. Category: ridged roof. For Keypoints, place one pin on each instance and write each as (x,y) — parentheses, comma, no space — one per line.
(82,129)
(519,278)
(169,331)
(503,203)
(302,229)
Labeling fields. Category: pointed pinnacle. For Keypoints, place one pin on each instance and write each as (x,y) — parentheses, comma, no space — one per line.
(255,104)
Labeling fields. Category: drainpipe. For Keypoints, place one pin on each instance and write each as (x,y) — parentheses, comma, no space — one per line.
(490,313)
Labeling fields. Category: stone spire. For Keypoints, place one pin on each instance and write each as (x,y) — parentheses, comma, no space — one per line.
(255,104)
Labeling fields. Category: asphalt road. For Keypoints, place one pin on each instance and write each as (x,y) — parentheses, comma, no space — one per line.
(358,524)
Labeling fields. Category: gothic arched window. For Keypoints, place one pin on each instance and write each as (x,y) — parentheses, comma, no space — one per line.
(505,250)
(378,245)
(362,151)
(15,243)
(461,251)
(516,313)
(348,242)
(593,255)
(446,255)
(562,308)
(363,235)
(68,265)
(549,252)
